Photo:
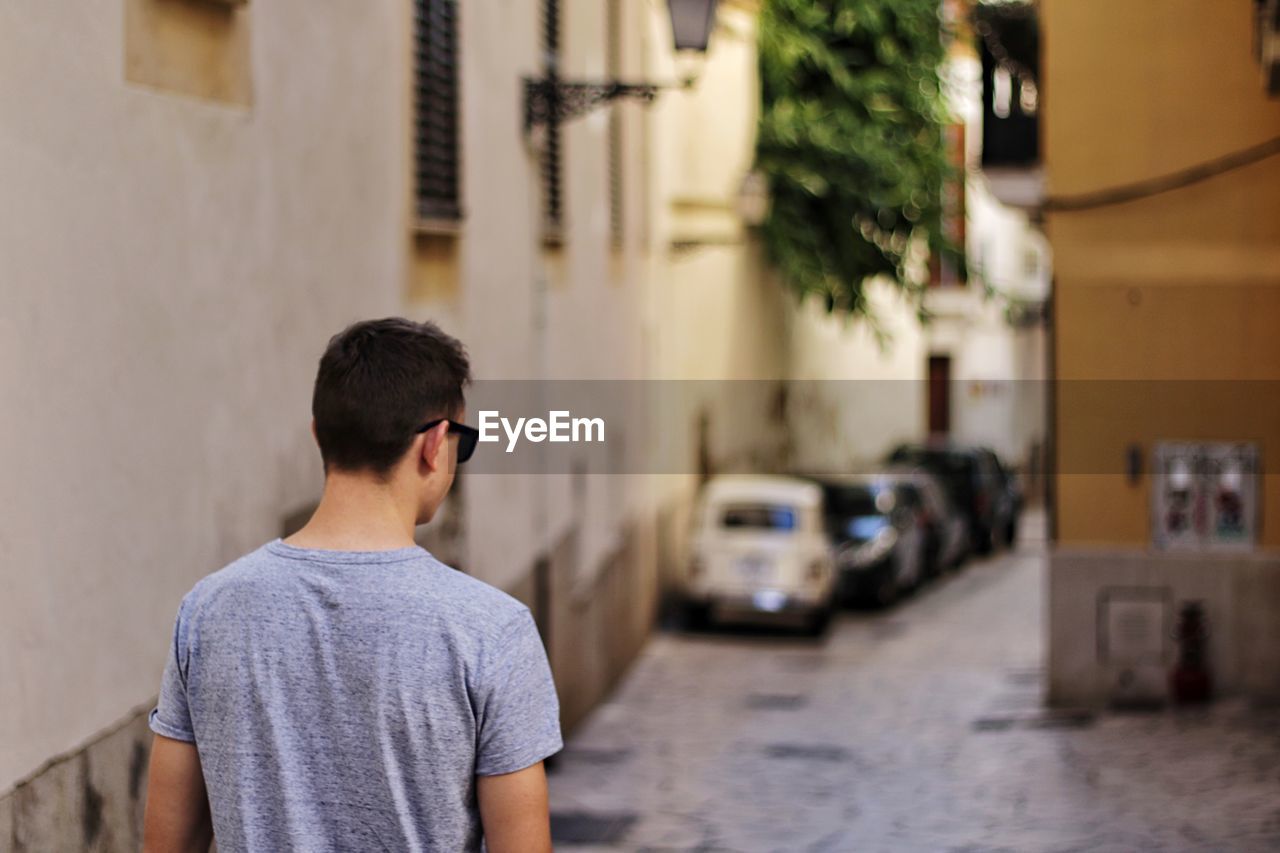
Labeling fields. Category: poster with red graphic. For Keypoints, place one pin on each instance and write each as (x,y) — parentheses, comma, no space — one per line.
(1205,496)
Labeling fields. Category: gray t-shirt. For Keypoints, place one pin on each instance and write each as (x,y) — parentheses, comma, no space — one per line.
(346,700)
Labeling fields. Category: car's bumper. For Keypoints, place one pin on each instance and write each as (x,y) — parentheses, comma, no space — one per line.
(765,605)
(854,581)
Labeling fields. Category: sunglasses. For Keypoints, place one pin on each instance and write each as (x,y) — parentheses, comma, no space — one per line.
(467,436)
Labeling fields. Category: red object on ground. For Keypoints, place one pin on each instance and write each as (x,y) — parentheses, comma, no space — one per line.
(1191,681)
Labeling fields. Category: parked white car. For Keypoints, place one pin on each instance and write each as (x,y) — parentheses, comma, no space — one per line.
(759,551)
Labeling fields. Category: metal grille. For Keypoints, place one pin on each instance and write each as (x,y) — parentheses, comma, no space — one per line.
(943,272)
(553,208)
(436,160)
(613,39)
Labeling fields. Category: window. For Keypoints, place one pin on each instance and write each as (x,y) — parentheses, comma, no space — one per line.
(552,195)
(939,394)
(436,166)
(197,49)
(759,517)
(613,40)
(943,273)
(857,501)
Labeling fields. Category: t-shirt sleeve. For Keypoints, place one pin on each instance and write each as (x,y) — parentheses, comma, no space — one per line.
(518,719)
(171,716)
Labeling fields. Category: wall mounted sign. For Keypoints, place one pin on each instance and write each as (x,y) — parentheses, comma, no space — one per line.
(1205,496)
(1134,629)
(1133,625)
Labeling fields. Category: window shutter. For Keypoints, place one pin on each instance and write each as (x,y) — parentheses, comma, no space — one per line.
(553,208)
(436,161)
(613,40)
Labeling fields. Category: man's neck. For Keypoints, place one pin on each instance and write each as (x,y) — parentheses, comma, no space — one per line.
(357,513)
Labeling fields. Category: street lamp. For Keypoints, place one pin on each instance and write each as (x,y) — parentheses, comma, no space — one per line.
(692,22)
(548,100)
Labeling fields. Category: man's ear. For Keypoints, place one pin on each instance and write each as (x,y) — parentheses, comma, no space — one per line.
(433,441)
(313,431)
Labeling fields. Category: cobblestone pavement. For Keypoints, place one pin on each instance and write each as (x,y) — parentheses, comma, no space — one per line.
(918,729)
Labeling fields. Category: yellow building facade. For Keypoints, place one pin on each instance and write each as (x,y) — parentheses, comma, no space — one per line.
(1167,301)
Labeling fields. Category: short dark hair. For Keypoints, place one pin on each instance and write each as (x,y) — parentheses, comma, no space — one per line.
(379,380)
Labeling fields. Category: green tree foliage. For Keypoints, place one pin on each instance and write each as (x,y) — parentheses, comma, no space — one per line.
(851,143)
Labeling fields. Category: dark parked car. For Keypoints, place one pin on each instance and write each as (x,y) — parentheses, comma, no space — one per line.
(1009,501)
(876,523)
(948,528)
(973,480)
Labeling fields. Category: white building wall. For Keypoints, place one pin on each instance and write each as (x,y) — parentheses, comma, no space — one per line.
(716,320)
(170,271)
(998,371)
(871,394)
(493,261)
(529,310)
(856,395)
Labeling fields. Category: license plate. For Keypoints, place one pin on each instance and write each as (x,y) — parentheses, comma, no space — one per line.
(769,600)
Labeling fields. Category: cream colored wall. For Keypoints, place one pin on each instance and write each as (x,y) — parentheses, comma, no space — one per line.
(526,311)
(1181,286)
(588,309)
(595,297)
(856,397)
(171,269)
(684,297)
(717,320)
(712,303)
(480,281)
(717,340)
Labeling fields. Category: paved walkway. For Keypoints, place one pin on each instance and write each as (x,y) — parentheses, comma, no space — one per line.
(920,729)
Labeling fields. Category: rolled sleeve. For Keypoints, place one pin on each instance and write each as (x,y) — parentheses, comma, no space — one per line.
(518,722)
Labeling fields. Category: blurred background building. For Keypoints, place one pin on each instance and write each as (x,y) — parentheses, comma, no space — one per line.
(1164,220)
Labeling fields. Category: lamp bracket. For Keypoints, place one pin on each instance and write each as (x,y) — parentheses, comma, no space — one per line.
(548,99)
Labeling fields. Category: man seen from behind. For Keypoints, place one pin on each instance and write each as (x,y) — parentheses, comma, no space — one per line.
(341,689)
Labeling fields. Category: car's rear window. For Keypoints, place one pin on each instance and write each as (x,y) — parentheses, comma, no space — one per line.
(854,501)
(758,517)
(956,469)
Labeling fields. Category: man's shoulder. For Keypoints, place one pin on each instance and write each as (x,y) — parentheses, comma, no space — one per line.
(479,598)
(419,580)
(244,572)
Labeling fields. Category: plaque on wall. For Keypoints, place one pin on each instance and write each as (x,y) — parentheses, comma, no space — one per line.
(1133,625)
(1133,644)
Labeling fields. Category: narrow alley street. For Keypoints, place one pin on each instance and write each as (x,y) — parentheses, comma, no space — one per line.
(917,729)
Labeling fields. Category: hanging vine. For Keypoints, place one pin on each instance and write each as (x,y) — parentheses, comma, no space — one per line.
(851,144)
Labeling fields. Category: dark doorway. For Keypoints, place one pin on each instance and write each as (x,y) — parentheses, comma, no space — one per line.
(939,394)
